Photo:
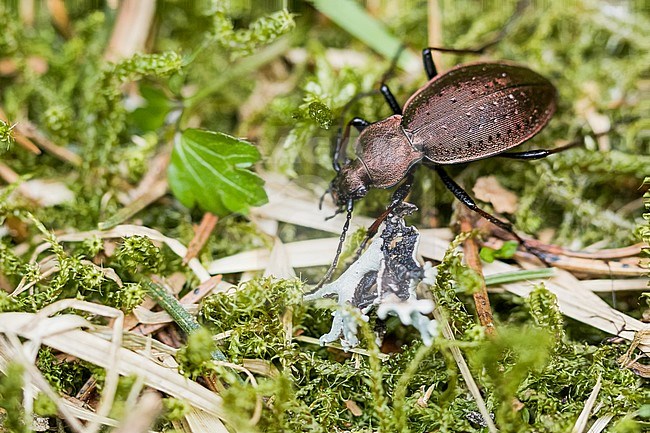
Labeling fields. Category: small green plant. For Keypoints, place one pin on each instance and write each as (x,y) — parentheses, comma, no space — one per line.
(507,251)
(11,399)
(6,135)
(208,169)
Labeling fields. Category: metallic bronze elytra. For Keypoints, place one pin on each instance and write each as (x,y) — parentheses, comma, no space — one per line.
(471,112)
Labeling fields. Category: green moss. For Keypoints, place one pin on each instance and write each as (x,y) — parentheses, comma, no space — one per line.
(254,317)
(546,313)
(124,298)
(174,409)
(44,406)
(11,399)
(6,136)
(13,266)
(138,255)
(243,42)
(510,358)
(64,376)
(236,58)
(454,278)
(233,235)
(195,358)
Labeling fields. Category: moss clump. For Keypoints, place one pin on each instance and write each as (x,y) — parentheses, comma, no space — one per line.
(256,317)
(138,255)
(195,358)
(11,399)
(66,377)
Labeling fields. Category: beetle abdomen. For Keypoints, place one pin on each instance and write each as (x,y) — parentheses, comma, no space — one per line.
(476,111)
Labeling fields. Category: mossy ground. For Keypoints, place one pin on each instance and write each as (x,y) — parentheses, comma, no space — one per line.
(283,81)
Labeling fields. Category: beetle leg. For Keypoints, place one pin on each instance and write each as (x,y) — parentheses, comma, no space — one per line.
(340,148)
(427,58)
(429,66)
(539,153)
(390,99)
(465,198)
(462,195)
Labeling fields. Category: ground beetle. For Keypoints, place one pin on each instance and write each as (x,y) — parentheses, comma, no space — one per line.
(471,112)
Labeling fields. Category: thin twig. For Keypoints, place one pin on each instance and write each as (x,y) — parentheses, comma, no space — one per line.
(481,299)
(19,137)
(612,253)
(201,236)
(131,29)
(32,132)
(152,187)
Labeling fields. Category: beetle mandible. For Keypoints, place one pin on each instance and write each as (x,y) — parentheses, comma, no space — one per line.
(471,112)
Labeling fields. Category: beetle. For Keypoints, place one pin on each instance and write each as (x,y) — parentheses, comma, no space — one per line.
(472,112)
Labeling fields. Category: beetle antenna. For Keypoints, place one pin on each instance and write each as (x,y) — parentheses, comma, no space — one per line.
(332,267)
(322,197)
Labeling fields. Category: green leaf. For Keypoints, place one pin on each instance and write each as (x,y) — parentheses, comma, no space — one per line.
(507,250)
(208,169)
(487,254)
(151,116)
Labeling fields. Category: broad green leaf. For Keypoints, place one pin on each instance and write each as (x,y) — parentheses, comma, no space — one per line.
(209,169)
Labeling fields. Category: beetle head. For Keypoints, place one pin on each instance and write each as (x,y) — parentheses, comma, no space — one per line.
(351,183)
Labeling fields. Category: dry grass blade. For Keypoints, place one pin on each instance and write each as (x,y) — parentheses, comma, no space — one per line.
(143,414)
(93,348)
(203,422)
(302,254)
(600,424)
(600,268)
(609,286)
(279,264)
(612,253)
(131,29)
(464,370)
(132,230)
(581,422)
